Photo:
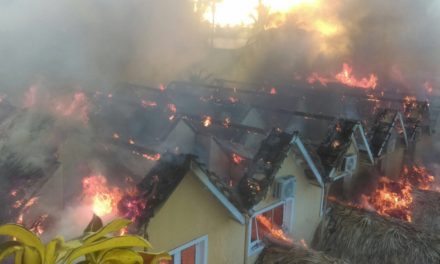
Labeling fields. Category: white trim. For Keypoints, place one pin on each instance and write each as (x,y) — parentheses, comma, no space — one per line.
(361,131)
(223,200)
(288,220)
(402,123)
(297,141)
(201,254)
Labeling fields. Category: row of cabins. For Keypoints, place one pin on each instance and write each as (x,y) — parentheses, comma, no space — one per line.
(231,155)
(257,158)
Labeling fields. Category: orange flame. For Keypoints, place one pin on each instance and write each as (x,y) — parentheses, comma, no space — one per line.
(104,199)
(394,198)
(274,230)
(346,77)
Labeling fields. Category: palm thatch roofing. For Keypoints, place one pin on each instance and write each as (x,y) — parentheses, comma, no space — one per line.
(364,237)
(295,255)
(425,209)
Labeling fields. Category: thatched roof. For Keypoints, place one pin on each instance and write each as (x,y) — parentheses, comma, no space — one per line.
(295,255)
(426,210)
(364,237)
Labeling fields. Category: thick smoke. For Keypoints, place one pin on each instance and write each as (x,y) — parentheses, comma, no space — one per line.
(94,43)
(398,40)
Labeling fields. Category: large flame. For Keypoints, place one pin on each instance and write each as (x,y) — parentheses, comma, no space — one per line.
(103,198)
(394,198)
(107,200)
(347,78)
(273,230)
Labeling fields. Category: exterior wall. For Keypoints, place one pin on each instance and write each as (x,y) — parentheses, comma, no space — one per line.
(192,212)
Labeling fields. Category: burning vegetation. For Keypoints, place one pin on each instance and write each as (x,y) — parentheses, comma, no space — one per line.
(394,198)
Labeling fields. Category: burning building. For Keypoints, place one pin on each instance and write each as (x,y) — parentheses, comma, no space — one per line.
(336,102)
(273,187)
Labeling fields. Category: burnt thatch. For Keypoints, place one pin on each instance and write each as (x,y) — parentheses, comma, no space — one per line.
(364,237)
(295,255)
(426,210)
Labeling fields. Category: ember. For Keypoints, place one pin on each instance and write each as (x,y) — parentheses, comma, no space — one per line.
(207,121)
(148,103)
(227,122)
(233,100)
(237,159)
(172,108)
(154,157)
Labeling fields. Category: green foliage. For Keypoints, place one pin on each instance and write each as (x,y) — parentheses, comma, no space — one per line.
(97,245)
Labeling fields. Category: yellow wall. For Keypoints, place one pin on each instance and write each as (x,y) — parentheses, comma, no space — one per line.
(192,212)
(307,202)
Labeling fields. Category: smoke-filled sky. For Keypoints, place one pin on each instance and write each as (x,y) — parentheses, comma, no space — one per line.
(152,41)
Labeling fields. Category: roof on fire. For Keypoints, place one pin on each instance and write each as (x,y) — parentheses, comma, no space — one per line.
(162,180)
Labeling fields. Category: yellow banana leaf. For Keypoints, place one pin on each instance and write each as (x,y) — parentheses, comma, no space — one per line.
(31,256)
(120,256)
(19,257)
(113,226)
(24,236)
(154,258)
(9,248)
(105,244)
(53,250)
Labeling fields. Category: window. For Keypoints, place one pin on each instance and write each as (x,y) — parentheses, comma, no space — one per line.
(279,214)
(194,252)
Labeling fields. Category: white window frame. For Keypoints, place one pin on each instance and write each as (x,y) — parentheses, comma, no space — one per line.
(201,251)
(288,218)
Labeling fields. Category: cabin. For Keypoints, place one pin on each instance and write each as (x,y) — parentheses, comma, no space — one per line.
(194,214)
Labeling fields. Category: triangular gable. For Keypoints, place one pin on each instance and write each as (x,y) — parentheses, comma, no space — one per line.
(382,129)
(220,191)
(296,142)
